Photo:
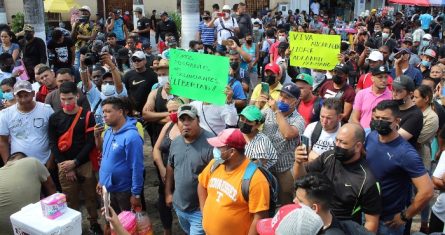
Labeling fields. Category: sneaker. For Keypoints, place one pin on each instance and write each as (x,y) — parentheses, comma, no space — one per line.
(95,229)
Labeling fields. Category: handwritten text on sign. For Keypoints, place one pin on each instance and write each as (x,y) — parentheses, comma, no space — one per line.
(198,76)
(315,51)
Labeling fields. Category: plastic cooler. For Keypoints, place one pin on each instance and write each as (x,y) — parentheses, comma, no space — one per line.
(30,220)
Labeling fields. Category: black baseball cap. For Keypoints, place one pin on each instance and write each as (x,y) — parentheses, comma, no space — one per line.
(291,89)
(379,70)
(403,83)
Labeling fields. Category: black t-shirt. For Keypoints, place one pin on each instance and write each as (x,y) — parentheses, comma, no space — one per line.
(356,189)
(442,52)
(333,229)
(62,53)
(440,111)
(435,29)
(139,86)
(412,122)
(142,24)
(82,143)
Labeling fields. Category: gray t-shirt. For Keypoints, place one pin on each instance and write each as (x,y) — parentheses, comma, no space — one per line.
(187,161)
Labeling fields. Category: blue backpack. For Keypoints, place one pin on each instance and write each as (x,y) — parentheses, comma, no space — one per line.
(245,183)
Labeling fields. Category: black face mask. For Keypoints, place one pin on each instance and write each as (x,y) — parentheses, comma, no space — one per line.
(244,127)
(234,65)
(337,80)
(270,79)
(382,127)
(28,36)
(400,101)
(343,154)
(7,68)
(249,41)
(206,18)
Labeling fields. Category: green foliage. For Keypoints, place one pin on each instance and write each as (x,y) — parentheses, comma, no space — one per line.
(18,22)
(176,17)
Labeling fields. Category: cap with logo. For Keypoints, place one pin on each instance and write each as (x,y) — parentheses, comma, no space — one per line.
(291,89)
(403,83)
(379,70)
(305,78)
(252,113)
(429,52)
(290,220)
(272,67)
(342,68)
(231,137)
(28,27)
(22,85)
(375,56)
(139,54)
(188,110)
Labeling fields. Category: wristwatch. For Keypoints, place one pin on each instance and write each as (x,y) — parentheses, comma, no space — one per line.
(137,196)
(403,216)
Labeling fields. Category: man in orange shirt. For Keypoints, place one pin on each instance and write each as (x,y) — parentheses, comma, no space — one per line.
(223,206)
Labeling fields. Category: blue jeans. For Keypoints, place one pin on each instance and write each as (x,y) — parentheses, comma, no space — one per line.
(385,230)
(191,222)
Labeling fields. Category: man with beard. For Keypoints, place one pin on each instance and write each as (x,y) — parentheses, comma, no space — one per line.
(356,189)
(338,88)
(396,166)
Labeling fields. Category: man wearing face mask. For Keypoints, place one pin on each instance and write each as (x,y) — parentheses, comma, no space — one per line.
(205,33)
(426,43)
(258,148)
(75,169)
(402,66)
(397,166)
(226,27)
(338,88)
(386,39)
(219,188)
(83,31)
(272,77)
(411,122)
(155,111)
(284,125)
(34,51)
(428,58)
(112,86)
(239,80)
(356,189)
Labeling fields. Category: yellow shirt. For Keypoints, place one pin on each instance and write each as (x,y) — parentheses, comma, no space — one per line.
(224,197)
(84,29)
(274,93)
(138,126)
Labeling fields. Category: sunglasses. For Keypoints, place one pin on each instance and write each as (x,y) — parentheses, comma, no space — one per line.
(136,60)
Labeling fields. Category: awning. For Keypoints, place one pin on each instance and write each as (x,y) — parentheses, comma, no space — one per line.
(59,5)
(425,3)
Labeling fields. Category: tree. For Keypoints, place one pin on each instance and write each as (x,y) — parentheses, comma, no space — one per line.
(34,15)
(190,21)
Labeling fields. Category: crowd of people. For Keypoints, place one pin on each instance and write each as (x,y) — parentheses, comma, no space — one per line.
(352,150)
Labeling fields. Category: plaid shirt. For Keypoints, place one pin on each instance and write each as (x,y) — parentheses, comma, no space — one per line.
(285,148)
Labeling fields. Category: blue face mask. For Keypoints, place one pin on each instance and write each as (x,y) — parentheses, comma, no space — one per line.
(283,107)
(217,154)
(8,96)
(108,89)
(425,43)
(426,64)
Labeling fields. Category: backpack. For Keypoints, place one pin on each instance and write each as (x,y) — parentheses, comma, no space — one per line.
(245,183)
(316,133)
(224,27)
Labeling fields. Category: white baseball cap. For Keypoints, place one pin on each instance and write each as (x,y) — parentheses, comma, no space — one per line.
(226,7)
(86,8)
(375,56)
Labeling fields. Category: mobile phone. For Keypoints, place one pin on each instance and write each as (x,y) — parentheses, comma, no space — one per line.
(306,142)
(265,88)
(99,120)
(221,14)
(106,200)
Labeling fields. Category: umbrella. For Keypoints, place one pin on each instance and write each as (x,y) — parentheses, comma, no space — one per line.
(59,5)
(425,3)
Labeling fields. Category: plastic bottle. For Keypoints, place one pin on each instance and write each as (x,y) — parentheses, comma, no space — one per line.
(144,226)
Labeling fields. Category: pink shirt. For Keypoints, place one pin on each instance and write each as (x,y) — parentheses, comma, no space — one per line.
(365,101)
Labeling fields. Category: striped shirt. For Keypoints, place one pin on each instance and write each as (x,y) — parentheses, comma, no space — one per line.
(285,148)
(260,147)
(207,34)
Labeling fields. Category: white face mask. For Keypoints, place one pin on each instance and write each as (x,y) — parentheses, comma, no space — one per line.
(108,89)
(256,28)
(385,35)
(201,51)
(162,80)
(282,38)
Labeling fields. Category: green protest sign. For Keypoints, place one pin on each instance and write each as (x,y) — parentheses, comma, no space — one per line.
(314,51)
(198,76)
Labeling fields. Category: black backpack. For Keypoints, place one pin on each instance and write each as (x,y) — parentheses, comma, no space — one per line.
(316,133)
(245,184)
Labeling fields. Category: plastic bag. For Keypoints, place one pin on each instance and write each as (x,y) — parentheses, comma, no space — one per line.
(144,226)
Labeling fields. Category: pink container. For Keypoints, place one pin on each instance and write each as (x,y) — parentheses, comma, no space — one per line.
(54,205)
(128,221)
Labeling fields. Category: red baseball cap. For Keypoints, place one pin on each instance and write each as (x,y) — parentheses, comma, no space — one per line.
(229,137)
(291,219)
(275,68)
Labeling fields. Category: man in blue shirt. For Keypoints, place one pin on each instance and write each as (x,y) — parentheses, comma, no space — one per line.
(115,24)
(425,20)
(396,164)
(402,67)
(238,80)
(122,165)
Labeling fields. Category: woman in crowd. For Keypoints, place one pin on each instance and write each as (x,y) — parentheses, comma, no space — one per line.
(8,46)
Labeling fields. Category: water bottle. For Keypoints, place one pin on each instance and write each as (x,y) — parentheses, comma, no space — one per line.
(144,226)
